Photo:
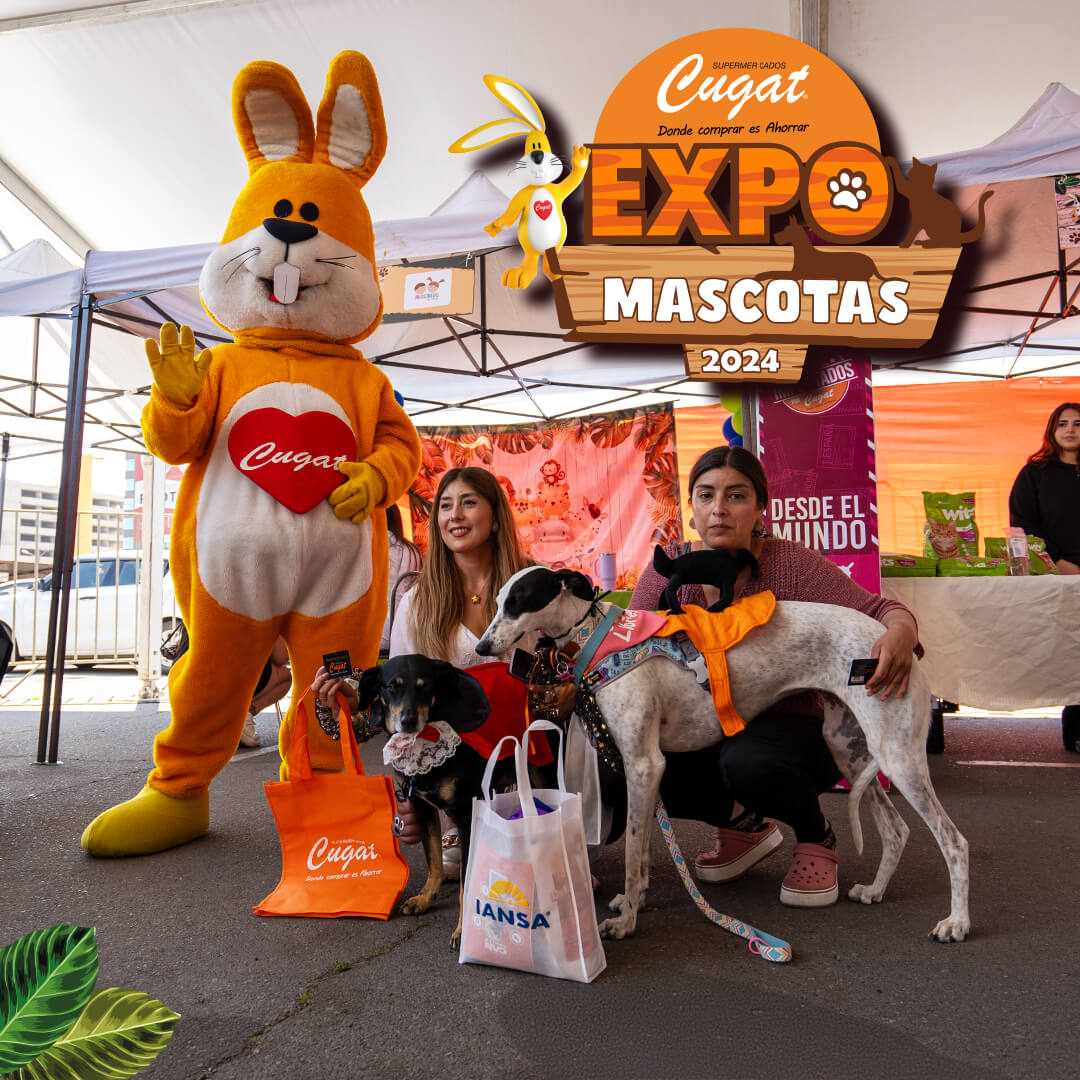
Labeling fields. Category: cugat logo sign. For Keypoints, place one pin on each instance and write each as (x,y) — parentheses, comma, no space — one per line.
(736,181)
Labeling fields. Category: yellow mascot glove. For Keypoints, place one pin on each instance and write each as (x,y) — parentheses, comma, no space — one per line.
(356,498)
(178,373)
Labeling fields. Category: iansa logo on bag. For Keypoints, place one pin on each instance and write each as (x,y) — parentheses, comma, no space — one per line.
(504,902)
(334,859)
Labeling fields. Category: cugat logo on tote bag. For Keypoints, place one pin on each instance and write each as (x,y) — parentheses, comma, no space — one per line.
(736,181)
(339,853)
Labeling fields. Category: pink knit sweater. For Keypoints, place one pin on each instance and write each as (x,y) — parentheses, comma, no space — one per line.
(791,572)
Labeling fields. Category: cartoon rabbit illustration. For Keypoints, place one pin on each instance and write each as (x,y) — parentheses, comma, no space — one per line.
(537,207)
(294,440)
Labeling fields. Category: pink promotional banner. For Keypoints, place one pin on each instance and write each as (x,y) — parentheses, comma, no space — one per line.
(816,442)
(590,493)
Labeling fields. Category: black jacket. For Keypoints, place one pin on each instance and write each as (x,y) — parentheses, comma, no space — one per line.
(1045,501)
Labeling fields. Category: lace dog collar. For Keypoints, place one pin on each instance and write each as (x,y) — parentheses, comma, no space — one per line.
(422,751)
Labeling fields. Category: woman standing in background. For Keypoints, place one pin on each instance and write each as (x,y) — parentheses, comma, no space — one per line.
(1045,502)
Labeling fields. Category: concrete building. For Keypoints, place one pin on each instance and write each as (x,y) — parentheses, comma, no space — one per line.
(28,526)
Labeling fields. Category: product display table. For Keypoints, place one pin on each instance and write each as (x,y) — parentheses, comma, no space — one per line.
(997,643)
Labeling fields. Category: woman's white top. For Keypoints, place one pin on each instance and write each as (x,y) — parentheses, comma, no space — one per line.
(403,641)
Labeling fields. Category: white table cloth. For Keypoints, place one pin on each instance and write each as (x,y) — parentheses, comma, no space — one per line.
(997,643)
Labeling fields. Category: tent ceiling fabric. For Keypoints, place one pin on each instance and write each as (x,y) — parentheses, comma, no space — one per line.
(1035,334)
(447,370)
(156,162)
(1043,142)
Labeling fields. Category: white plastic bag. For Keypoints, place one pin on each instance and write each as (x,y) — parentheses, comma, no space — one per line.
(528,900)
(583,776)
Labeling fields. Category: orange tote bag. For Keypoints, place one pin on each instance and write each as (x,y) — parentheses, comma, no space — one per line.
(339,855)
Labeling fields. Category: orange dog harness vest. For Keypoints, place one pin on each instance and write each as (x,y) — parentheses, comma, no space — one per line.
(711,633)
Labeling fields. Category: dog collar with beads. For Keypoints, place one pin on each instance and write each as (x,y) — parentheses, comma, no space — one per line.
(417,753)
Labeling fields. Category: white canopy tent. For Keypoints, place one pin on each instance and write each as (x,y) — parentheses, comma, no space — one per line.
(505,362)
(1012,309)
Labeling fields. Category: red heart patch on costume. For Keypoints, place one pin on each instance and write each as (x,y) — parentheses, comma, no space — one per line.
(292,458)
(543,209)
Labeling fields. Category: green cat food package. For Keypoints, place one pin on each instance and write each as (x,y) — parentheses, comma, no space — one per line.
(950,530)
(973,566)
(997,547)
(893,565)
(1039,557)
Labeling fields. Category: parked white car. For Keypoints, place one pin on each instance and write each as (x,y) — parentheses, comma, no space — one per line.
(102,612)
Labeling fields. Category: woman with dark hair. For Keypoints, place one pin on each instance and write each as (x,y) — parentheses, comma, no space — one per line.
(1045,501)
(778,765)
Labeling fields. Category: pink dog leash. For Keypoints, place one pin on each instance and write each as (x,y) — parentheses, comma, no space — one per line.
(772,948)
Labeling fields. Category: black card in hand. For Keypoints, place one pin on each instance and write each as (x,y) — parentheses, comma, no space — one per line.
(861,670)
(337,664)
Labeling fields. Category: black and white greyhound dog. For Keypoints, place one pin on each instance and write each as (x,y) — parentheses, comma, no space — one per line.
(660,706)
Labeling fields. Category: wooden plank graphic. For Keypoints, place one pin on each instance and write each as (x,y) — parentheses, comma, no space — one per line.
(791,293)
(761,362)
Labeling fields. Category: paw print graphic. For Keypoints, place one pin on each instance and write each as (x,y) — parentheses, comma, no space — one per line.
(849,190)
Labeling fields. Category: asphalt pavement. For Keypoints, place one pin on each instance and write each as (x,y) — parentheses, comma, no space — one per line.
(867,994)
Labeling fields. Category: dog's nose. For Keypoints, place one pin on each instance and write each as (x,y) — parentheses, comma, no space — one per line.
(482,647)
(537,157)
(289,232)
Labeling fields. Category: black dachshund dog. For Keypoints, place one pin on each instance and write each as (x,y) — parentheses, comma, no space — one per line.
(425,705)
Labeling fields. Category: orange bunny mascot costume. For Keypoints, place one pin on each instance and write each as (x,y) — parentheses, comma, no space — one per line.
(268,536)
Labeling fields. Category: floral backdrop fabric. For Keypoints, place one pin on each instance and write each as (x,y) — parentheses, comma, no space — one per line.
(578,488)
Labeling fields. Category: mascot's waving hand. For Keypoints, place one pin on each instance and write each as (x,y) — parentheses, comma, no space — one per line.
(295,442)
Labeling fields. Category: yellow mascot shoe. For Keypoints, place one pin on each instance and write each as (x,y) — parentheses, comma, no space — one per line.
(150,822)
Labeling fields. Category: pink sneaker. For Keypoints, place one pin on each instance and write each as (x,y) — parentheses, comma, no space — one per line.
(811,881)
(736,852)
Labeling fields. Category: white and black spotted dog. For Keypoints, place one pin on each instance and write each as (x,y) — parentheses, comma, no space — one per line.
(659,706)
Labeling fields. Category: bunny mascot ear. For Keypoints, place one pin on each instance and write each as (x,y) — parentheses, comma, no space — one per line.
(351,127)
(272,117)
(518,100)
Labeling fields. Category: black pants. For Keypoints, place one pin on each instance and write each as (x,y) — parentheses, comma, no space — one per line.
(1070,727)
(777,766)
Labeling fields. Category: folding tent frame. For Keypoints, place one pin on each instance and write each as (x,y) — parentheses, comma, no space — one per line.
(1057,281)
(135,313)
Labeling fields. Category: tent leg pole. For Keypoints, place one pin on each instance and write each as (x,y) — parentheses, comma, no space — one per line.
(483,315)
(64,549)
(1063,283)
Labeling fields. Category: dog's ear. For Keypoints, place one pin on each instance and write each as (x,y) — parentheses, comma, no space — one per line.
(368,688)
(661,561)
(460,700)
(577,583)
(665,566)
(369,701)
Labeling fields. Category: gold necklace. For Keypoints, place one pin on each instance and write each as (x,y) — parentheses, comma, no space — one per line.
(475,597)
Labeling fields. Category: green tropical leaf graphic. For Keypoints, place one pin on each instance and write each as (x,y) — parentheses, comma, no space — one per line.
(119,1033)
(46,979)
